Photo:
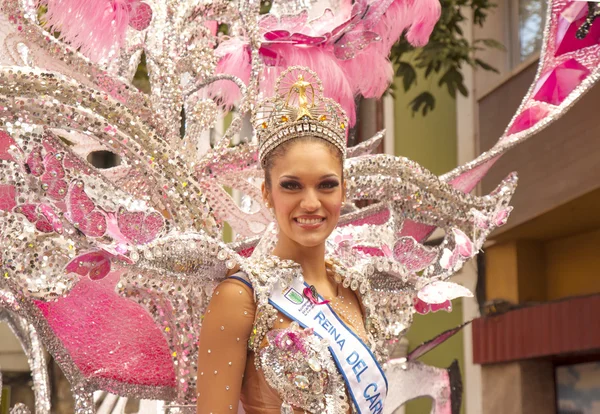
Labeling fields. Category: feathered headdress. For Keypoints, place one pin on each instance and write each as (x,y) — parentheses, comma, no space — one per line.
(351,58)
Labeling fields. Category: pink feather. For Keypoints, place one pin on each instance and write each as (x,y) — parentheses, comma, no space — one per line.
(368,73)
(94,26)
(424,16)
(234,60)
(321,60)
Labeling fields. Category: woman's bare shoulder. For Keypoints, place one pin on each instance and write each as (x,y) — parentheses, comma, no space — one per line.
(235,290)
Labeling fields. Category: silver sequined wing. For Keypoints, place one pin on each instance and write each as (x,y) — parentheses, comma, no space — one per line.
(83,266)
(407,274)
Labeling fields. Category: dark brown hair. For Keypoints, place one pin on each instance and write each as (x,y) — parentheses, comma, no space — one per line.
(280,150)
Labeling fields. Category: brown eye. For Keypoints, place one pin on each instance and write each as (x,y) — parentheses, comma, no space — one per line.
(330,184)
(290,185)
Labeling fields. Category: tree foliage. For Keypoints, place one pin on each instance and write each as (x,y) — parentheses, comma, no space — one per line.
(446,53)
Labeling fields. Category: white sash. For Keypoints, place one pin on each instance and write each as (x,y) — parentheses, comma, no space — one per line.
(357,364)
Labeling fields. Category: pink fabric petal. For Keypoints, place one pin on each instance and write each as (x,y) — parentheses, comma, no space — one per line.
(413,255)
(140,16)
(8,195)
(52,177)
(82,214)
(481,220)
(440,292)
(464,245)
(29,211)
(276,35)
(449,258)
(501,217)
(108,332)
(6,142)
(424,308)
(139,227)
(95,264)
(52,218)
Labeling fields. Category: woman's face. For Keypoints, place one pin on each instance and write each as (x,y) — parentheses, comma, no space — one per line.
(306,192)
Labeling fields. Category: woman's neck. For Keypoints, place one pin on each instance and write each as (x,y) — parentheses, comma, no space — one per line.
(311,259)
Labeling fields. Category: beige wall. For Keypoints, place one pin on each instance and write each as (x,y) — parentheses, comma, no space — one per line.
(496,28)
(12,357)
(429,140)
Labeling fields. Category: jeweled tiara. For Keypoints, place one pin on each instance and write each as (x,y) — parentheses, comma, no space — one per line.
(298,109)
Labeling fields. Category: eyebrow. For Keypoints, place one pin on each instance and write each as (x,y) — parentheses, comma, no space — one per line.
(293,177)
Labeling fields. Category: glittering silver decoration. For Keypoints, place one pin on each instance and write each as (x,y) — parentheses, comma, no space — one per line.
(20,409)
(299,109)
(28,338)
(413,379)
(316,386)
(132,253)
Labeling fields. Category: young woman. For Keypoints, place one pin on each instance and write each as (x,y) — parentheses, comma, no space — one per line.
(293,333)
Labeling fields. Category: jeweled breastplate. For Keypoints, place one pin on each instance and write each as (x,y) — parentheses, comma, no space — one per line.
(296,362)
(298,365)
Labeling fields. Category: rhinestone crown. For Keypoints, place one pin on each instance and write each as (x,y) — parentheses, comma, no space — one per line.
(298,109)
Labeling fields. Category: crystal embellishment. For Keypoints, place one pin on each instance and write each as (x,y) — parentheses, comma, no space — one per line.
(570,19)
(527,119)
(301,382)
(556,85)
(314,364)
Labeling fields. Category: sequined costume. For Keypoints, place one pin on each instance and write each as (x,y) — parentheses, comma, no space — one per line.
(132,254)
(220,372)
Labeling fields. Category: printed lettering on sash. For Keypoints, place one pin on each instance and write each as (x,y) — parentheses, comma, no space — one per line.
(363,375)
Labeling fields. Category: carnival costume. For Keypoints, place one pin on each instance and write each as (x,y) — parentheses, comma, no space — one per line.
(111,270)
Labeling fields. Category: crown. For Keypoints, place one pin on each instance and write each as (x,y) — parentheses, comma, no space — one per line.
(298,109)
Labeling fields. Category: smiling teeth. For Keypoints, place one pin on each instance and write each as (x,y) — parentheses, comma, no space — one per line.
(308,221)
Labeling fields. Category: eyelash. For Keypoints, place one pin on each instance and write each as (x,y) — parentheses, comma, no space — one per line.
(329,185)
(292,185)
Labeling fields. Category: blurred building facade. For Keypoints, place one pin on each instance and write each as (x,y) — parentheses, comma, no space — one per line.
(538,335)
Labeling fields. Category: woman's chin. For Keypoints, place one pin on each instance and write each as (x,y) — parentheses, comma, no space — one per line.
(311,240)
(311,243)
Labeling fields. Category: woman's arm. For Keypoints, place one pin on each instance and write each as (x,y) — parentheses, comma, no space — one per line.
(223,347)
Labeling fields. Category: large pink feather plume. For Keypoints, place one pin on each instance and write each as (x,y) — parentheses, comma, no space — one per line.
(424,15)
(371,72)
(367,72)
(94,26)
(335,81)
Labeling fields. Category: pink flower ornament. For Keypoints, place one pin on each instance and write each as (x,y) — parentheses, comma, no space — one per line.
(438,296)
(96,265)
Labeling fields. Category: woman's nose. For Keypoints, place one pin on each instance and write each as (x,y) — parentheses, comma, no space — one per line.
(310,202)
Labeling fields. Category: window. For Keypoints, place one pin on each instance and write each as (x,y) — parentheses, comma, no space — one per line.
(527,30)
(578,388)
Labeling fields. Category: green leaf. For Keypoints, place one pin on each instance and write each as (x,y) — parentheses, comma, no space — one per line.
(399,49)
(491,43)
(452,79)
(462,89)
(447,51)
(485,66)
(424,102)
(408,75)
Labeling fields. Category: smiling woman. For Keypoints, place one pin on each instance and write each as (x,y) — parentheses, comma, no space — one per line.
(266,346)
(308,192)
